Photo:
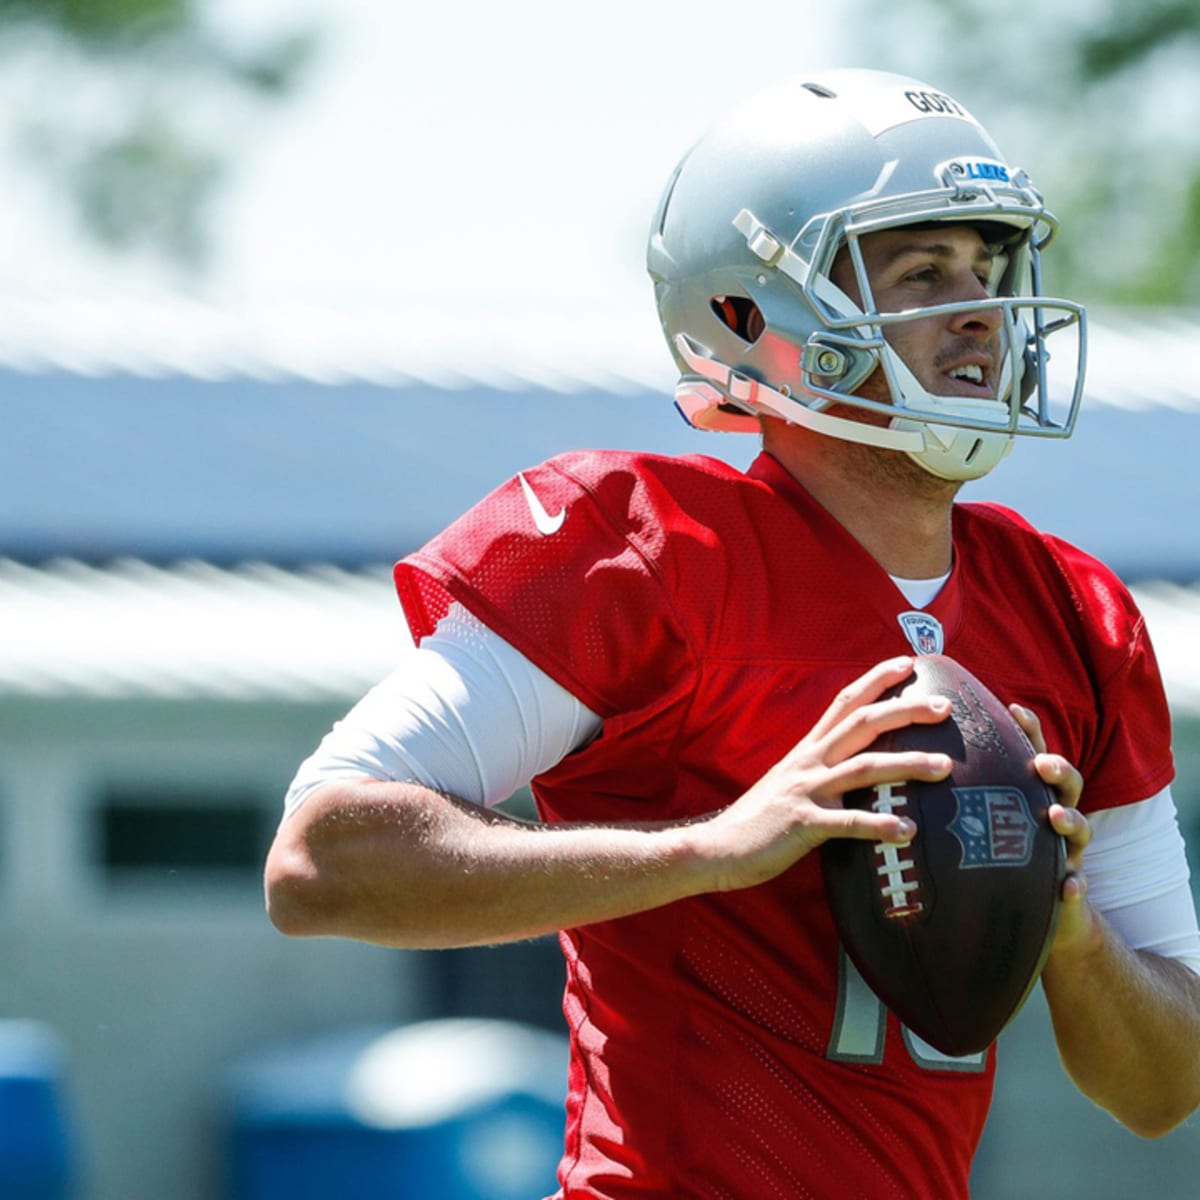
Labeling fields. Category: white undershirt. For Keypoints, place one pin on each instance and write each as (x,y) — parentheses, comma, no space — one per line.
(920,593)
(468,715)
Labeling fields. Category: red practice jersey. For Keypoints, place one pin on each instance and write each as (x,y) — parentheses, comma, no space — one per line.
(721,1046)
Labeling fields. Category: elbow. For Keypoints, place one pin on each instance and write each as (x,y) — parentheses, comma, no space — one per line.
(302,874)
(1168,1123)
(293,891)
(1154,1123)
(328,877)
(1151,1133)
(1152,1128)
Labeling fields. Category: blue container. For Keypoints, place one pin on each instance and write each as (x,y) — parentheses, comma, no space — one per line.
(37,1160)
(455,1109)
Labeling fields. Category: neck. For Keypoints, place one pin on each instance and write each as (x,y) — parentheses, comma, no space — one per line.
(898,512)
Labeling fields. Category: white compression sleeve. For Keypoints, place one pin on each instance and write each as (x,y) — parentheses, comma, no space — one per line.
(465,714)
(1137,875)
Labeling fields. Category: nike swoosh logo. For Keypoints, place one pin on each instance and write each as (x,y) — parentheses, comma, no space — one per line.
(546,524)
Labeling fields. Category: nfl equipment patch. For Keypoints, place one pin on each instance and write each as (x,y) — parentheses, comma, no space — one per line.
(924,632)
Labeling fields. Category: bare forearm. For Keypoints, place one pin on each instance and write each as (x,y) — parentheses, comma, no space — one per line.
(399,865)
(1127,1025)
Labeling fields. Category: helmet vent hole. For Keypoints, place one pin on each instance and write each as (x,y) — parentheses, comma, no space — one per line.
(974,451)
(741,315)
(817,90)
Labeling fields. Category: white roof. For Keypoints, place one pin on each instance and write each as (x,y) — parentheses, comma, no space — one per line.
(194,630)
(1135,360)
(256,631)
(1172,615)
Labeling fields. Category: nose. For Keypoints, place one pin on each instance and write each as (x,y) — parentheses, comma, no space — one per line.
(983,322)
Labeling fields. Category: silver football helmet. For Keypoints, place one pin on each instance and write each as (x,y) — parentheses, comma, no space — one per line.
(745,238)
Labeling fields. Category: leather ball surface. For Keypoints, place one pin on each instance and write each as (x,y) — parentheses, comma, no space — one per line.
(952,930)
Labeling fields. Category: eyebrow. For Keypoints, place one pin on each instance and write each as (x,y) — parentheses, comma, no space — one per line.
(938,250)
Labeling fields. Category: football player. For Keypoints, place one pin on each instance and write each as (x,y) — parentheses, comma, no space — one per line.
(689,662)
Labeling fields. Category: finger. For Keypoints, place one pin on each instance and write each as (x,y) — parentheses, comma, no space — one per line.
(1056,772)
(863,690)
(1071,824)
(880,768)
(1074,888)
(863,824)
(1030,725)
(858,729)
(836,820)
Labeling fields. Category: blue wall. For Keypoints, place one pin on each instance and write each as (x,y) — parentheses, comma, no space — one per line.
(291,471)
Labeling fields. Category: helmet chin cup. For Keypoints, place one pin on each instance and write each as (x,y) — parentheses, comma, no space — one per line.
(955,453)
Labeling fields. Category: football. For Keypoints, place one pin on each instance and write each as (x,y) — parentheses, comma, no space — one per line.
(952,930)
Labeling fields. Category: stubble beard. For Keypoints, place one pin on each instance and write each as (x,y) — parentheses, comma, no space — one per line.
(895,470)
(892,469)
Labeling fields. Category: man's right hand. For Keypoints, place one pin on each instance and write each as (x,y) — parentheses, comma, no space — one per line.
(797,804)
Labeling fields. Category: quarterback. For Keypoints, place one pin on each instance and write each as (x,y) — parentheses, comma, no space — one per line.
(688,664)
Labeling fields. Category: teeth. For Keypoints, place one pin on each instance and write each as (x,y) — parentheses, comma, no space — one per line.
(972,372)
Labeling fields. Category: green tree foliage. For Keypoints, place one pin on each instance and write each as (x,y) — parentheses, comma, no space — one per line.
(1100,101)
(1137,40)
(110,22)
(142,108)
(1133,33)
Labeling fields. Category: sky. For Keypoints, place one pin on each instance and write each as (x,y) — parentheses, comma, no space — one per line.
(471,154)
(441,175)
(493,156)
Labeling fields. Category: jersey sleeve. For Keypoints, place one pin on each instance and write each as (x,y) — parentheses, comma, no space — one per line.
(557,561)
(463,714)
(1130,758)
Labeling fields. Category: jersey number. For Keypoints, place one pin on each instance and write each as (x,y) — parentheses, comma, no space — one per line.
(860,1028)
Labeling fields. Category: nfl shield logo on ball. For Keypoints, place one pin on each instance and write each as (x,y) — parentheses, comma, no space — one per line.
(924,632)
(993,826)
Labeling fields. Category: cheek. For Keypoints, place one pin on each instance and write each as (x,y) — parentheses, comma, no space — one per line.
(874,387)
(915,342)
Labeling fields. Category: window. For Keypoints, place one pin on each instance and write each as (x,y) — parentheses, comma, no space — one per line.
(143,832)
(517,981)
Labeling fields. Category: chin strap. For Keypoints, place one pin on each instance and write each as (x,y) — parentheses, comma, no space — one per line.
(708,397)
(700,403)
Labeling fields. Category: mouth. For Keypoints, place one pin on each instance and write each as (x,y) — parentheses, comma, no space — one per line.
(969,377)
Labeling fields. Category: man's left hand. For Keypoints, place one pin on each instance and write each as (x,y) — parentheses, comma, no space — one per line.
(1077,930)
